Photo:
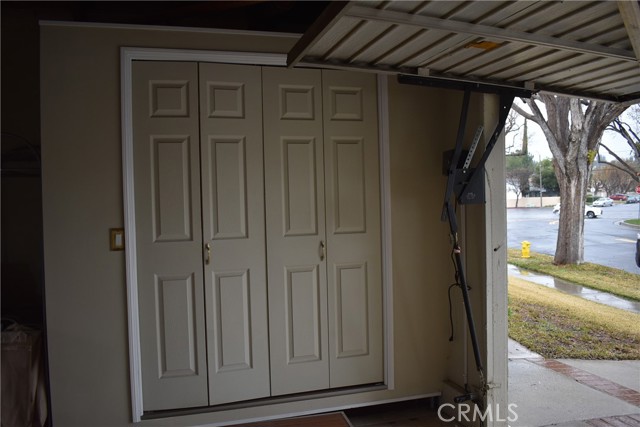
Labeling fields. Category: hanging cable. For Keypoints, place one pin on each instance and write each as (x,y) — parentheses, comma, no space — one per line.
(451,311)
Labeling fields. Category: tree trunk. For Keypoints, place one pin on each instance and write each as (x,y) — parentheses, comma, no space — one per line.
(569,246)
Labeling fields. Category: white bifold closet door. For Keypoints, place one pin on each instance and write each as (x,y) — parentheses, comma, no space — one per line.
(233,226)
(257,218)
(323,229)
(200,233)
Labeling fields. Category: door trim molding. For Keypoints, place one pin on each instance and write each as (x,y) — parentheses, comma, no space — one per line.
(385,221)
(130,54)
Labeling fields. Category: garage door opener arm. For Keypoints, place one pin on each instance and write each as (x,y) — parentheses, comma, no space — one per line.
(467,185)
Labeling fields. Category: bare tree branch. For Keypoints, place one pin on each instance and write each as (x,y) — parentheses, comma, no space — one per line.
(550,136)
(628,169)
(524,114)
(512,127)
(620,168)
(627,133)
(511,124)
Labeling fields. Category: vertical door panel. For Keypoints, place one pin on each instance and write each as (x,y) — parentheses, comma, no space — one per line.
(351,313)
(299,184)
(232,321)
(354,275)
(233,226)
(348,185)
(303,314)
(171,188)
(227,174)
(168,235)
(175,306)
(294,191)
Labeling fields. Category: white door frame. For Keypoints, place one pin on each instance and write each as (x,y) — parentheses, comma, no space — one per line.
(130,54)
(496,295)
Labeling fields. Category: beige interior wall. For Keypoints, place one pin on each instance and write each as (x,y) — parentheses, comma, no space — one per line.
(82,199)
(422,127)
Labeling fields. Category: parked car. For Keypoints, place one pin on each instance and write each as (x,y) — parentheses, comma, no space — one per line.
(622,197)
(603,201)
(633,199)
(589,211)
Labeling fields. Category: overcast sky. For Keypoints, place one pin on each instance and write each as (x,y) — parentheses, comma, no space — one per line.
(539,148)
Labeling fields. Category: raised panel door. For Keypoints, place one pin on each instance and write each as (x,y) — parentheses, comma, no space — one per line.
(294,191)
(168,235)
(352,190)
(233,227)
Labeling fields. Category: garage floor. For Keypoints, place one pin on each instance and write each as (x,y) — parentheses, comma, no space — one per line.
(415,413)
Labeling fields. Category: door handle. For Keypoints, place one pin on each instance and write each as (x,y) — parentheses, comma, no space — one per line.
(207,255)
(322,250)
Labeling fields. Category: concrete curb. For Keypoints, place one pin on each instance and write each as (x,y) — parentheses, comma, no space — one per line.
(631,226)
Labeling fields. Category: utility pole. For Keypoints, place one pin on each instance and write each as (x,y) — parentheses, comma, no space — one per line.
(525,139)
(540,170)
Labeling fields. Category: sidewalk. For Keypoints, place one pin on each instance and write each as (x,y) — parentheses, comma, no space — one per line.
(572,393)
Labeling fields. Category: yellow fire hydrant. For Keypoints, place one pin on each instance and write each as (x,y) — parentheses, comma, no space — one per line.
(526,249)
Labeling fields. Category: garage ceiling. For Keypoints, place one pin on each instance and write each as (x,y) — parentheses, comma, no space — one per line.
(589,49)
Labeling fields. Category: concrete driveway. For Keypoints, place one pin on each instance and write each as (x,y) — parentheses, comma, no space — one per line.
(572,393)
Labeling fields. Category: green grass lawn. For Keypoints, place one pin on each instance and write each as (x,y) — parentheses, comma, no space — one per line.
(558,325)
(633,221)
(612,280)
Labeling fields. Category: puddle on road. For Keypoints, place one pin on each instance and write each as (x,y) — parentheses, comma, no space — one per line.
(573,289)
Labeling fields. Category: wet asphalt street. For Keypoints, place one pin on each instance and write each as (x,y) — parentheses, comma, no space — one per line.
(606,242)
